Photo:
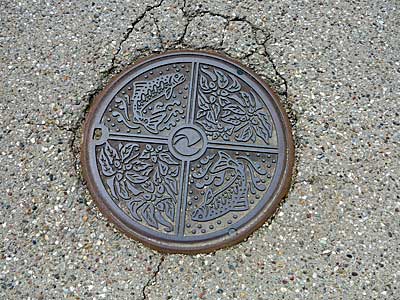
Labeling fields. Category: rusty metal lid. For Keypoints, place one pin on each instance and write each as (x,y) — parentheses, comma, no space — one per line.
(187,152)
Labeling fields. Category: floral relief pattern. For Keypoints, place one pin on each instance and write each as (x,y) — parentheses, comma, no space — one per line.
(145,179)
(225,110)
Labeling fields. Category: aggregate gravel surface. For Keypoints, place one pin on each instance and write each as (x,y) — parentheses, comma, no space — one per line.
(335,66)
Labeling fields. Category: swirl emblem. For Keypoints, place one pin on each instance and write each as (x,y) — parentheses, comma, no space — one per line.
(188,142)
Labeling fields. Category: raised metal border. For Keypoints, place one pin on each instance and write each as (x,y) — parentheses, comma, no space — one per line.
(192,247)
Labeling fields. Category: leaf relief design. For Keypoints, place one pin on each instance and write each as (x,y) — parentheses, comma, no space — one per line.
(226,111)
(145,179)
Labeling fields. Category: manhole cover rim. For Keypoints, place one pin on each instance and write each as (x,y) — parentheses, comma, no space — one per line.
(190,247)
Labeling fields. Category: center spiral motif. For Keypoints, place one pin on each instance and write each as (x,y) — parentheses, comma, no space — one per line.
(186,152)
(188,142)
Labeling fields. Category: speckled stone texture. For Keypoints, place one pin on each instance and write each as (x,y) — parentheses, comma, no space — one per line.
(335,65)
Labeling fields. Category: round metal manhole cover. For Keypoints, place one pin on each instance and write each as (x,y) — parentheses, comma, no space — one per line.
(187,152)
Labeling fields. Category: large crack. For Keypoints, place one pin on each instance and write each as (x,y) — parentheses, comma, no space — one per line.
(158,31)
(126,35)
(276,70)
(153,279)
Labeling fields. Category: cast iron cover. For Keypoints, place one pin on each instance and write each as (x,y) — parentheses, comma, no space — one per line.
(187,151)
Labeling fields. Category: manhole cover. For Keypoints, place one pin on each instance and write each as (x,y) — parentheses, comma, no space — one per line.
(187,152)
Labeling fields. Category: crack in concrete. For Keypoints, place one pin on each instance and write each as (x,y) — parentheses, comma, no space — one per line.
(131,27)
(229,20)
(158,31)
(152,279)
(221,44)
(268,55)
(75,129)
(182,37)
